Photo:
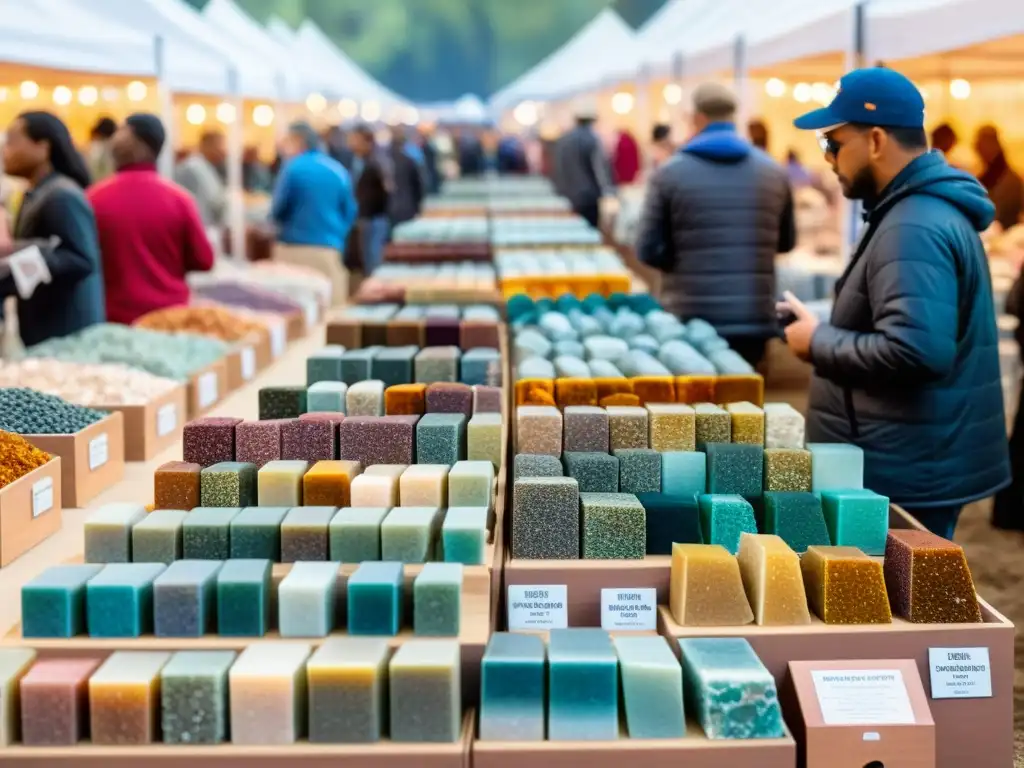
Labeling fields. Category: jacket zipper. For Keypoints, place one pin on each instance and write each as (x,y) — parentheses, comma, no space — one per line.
(851,414)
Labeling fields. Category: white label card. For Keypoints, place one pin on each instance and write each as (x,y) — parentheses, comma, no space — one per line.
(29,270)
(311,316)
(960,673)
(248,357)
(166,419)
(863,697)
(278,339)
(207,389)
(629,608)
(538,606)
(99,451)
(42,496)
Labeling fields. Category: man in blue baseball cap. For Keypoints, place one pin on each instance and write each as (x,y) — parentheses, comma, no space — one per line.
(907,368)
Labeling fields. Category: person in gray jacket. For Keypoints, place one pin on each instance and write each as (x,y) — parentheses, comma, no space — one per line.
(714,219)
(582,171)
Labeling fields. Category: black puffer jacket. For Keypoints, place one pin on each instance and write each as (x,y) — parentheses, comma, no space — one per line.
(908,369)
(715,218)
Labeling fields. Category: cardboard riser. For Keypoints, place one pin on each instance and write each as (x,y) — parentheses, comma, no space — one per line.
(30,511)
(207,388)
(79,482)
(152,428)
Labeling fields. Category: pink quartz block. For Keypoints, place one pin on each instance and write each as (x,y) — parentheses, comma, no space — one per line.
(378,439)
(487,399)
(259,442)
(309,440)
(209,441)
(55,702)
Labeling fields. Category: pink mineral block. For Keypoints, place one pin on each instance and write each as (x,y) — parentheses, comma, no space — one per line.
(55,702)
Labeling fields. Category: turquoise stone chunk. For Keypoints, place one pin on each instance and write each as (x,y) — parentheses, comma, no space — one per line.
(157,539)
(205,533)
(119,600)
(354,534)
(324,365)
(306,598)
(409,534)
(724,517)
(670,520)
(797,519)
(108,533)
(857,518)
(512,688)
(464,535)
(194,697)
(327,397)
(583,686)
(836,467)
(735,468)
(243,598)
(729,690)
(394,365)
(256,533)
(375,599)
(53,603)
(437,600)
(356,364)
(441,438)
(184,599)
(684,473)
(652,688)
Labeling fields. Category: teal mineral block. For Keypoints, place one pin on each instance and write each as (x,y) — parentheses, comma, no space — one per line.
(194,697)
(836,467)
(357,364)
(158,538)
(797,519)
(205,534)
(228,484)
(375,599)
(324,365)
(684,473)
(537,465)
(729,690)
(441,438)
(53,603)
(437,600)
(464,535)
(394,365)
(723,518)
(327,397)
(512,689)
(119,600)
(409,534)
(184,599)
(735,469)
(256,533)
(243,598)
(354,534)
(670,520)
(306,600)
(595,472)
(437,364)
(857,518)
(471,484)
(583,686)
(614,527)
(639,470)
(481,365)
(652,688)
(108,533)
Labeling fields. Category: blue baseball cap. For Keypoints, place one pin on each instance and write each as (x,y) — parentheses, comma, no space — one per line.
(873,96)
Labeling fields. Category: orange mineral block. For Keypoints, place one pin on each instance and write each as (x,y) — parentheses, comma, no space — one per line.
(405,400)
(329,483)
(575,391)
(695,389)
(928,579)
(611,387)
(845,586)
(535,392)
(654,389)
(621,399)
(773,580)
(124,698)
(706,589)
(736,389)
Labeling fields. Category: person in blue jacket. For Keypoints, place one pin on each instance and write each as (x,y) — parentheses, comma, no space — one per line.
(314,202)
(907,367)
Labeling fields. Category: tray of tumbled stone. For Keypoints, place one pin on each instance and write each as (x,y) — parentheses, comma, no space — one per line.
(90,442)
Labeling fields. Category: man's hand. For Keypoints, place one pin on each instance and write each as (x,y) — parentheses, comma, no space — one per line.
(800,331)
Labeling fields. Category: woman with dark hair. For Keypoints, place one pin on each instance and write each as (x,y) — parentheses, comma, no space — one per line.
(55,214)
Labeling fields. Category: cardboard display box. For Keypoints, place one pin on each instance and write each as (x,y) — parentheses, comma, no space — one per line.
(152,428)
(30,511)
(93,458)
(207,387)
(249,358)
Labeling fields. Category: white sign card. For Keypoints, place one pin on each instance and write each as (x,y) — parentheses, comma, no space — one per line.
(538,606)
(248,358)
(960,673)
(42,496)
(99,451)
(166,419)
(207,389)
(629,608)
(863,697)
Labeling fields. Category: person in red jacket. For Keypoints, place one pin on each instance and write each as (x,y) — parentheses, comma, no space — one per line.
(151,234)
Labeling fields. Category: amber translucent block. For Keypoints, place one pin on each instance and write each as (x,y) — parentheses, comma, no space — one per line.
(527,391)
(623,399)
(773,581)
(787,469)
(329,483)
(124,698)
(747,423)
(176,485)
(54,699)
(575,392)
(737,389)
(405,400)
(706,589)
(845,586)
(928,579)
(695,389)
(714,424)
(672,427)
(654,389)
(612,387)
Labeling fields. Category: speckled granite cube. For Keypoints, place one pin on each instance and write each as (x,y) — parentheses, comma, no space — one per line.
(441,438)
(734,468)
(670,520)
(209,441)
(311,440)
(546,518)
(928,579)
(747,423)
(713,424)
(836,467)
(487,399)
(329,396)
(259,442)
(672,427)
(108,533)
(627,427)
(384,440)
(354,534)
(783,426)
(324,365)
(724,518)
(537,465)
(304,534)
(365,398)
(485,438)
(256,533)
(595,472)
(424,485)
(471,484)
(464,535)
(157,539)
(282,402)
(357,364)
(539,430)
(639,470)
(478,333)
(394,365)
(435,364)
(480,366)
(176,485)
(447,397)
(184,599)
(437,600)
(585,429)
(205,533)
(787,469)
(614,527)
(796,518)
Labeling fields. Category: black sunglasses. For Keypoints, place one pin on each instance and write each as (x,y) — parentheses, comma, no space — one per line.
(829,145)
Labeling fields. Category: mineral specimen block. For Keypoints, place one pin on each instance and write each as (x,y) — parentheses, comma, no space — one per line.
(614,527)
(639,470)
(365,398)
(124,698)
(485,438)
(394,365)
(304,534)
(471,484)
(387,440)
(355,534)
(184,599)
(424,485)
(410,534)
(546,518)
(773,581)
(783,426)
(655,389)
(327,397)
(426,691)
(512,688)
(796,518)
(845,586)
(257,442)
(347,679)
(282,402)
(306,599)
(108,533)
(157,538)
(312,437)
(267,693)
(536,465)
(672,427)
(435,364)
(724,518)
(194,697)
(357,364)
(280,484)
(695,389)
(928,579)
(229,484)
(14,663)
(405,400)
(375,599)
(747,423)
(857,518)
(119,600)
(652,688)
(670,519)
(329,483)
(536,391)
(595,472)
(446,397)
(836,467)
(441,438)
(437,600)
(713,424)
(53,603)
(539,430)
(205,533)
(243,598)
(255,533)
(735,468)
(684,473)
(739,388)
(728,688)
(787,469)
(54,702)
(585,429)
(487,399)
(583,686)
(209,441)
(575,391)
(706,588)
(464,535)
(377,490)
(627,427)
(176,485)
(480,366)
(324,365)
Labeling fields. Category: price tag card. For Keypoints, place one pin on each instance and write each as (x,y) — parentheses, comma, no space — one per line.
(42,496)
(99,451)
(248,356)
(208,389)
(960,673)
(166,419)
(537,606)
(863,697)
(312,312)
(631,608)
(278,339)
(29,270)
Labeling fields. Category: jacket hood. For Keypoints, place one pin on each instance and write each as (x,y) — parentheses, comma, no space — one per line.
(930,174)
(719,143)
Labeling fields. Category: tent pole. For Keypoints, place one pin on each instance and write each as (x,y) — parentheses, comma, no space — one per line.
(739,68)
(681,110)
(855,57)
(236,197)
(165,163)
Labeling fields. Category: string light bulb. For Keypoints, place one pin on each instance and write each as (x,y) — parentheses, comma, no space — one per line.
(775,88)
(960,89)
(62,95)
(263,115)
(29,90)
(526,114)
(672,93)
(316,103)
(622,103)
(88,95)
(370,111)
(195,114)
(136,90)
(802,92)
